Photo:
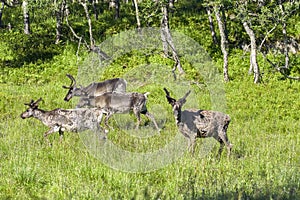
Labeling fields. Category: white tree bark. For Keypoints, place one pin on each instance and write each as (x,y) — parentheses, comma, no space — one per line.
(138,23)
(211,26)
(224,43)
(92,42)
(253,61)
(26,17)
(286,50)
(1,11)
(168,41)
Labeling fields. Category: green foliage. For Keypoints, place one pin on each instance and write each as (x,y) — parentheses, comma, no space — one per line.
(264,131)
(264,127)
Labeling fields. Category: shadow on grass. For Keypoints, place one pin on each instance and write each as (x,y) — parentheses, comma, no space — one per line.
(34,48)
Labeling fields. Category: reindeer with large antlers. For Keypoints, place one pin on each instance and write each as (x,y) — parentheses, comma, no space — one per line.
(117,85)
(60,120)
(194,123)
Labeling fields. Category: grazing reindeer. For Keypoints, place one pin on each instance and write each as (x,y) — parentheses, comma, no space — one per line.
(94,89)
(111,103)
(193,123)
(59,120)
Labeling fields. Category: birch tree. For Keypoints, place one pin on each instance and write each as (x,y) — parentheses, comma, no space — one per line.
(26,17)
(224,42)
(167,40)
(245,15)
(59,7)
(211,25)
(138,23)
(254,68)
(1,11)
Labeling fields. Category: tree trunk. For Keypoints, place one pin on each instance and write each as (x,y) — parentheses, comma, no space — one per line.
(286,50)
(115,5)
(59,13)
(253,61)
(171,4)
(96,15)
(1,12)
(211,26)
(164,25)
(224,43)
(26,17)
(137,15)
(168,41)
(92,42)
(223,16)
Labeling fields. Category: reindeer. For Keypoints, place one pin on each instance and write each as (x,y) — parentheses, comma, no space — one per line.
(117,85)
(112,103)
(60,120)
(194,123)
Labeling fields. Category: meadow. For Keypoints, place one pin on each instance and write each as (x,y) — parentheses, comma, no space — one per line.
(264,129)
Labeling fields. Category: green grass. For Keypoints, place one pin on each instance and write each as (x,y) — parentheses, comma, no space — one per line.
(264,163)
(264,128)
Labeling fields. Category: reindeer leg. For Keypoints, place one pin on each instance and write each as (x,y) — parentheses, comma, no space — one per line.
(191,143)
(98,126)
(138,116)
(150,116)
(229,145)
(109,114)
(52,130)
(102,133)
(223,136)
(61,135)
(221,148)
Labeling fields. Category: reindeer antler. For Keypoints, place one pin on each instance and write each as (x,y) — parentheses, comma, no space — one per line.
(37,101)
(33,103)
(170,99)
(73,83)
(183,99)
(167,92)
(30,103)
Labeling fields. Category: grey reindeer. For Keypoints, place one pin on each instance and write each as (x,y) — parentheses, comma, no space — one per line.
(194,123)
(117,85)
(60,120)
(112,103)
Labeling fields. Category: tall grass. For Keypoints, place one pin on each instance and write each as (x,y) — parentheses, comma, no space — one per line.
(264,163)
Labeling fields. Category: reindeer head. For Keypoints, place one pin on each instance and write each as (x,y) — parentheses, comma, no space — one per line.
(176,104)
(33,105)
(71,88)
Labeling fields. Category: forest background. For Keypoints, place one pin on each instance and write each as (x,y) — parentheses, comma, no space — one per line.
(254,45)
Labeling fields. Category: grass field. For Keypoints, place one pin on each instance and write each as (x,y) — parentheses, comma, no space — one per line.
(264,163)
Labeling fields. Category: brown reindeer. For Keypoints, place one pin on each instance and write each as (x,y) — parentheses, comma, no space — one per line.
(117,85)
(194,123)
(112,103)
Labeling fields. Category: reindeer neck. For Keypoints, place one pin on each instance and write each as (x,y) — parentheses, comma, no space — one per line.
(39,114)
(78,92)
(177,115)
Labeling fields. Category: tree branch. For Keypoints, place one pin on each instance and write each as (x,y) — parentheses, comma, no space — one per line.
(281,70)
(266,36)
